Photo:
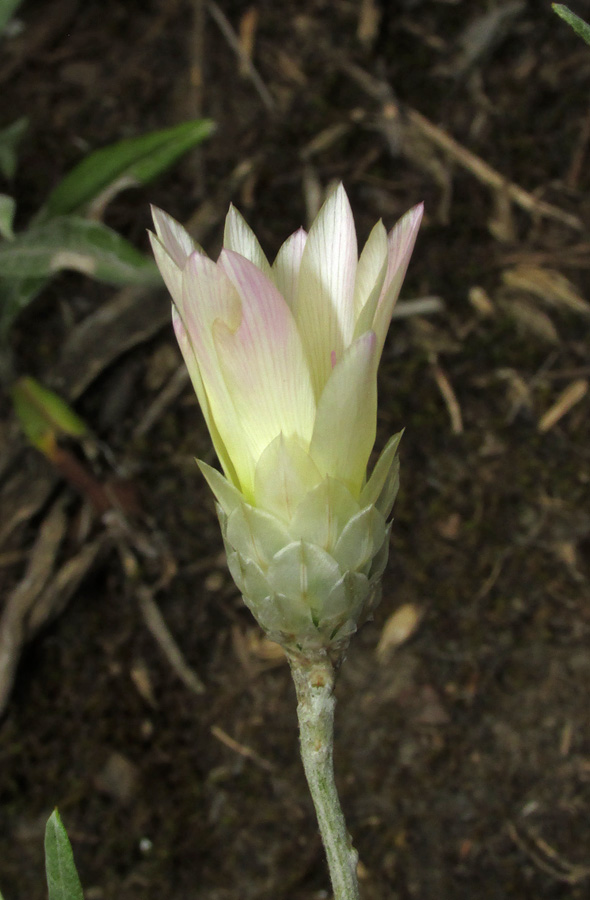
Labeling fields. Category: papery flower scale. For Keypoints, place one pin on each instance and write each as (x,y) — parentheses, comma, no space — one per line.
(283,360)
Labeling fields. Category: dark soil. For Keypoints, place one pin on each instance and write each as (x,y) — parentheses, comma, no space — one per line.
(463,754)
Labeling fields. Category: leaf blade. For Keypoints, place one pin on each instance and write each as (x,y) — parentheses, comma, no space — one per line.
(131,161)
(70,242)
(62,878)
(581,27)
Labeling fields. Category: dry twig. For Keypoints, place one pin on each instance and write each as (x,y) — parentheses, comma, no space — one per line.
(241,749)
(392,113)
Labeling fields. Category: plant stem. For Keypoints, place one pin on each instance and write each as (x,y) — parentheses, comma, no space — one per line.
(314,683)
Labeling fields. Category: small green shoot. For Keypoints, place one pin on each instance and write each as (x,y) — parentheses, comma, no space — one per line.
(579,25)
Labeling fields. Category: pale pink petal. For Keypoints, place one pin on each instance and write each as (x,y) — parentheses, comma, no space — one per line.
(285,269)
(346,418)
(263,361)
(325,296)
(401,242)
(174,238)
(239,237)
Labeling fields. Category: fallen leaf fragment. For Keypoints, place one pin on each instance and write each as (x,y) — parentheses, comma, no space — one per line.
(399,627)
(568,398)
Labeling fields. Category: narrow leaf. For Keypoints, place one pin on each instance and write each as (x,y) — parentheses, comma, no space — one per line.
(579,25)
(70,242)
(15,294)
(9,140)
(44,415)
(7,10)
(131,161)
(62,878)
(7,208)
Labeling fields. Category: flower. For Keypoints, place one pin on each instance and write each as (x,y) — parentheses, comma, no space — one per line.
(283,360)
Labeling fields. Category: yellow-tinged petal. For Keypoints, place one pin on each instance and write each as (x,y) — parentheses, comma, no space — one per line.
(346,419)
(284,475)
(371,270)
(192,365)
(239,237)
(325,294)
(262,360)
(209,297)
(285,269)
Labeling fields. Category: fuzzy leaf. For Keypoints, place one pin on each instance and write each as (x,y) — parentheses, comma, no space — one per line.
(7,208)
(70,242)
(62,878)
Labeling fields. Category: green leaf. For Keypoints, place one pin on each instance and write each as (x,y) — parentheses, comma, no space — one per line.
(44,415)
(132,161)
(579,25)
(9,140)
(62,878)
(69,242)
(7,10)
(15,294)
(7,208)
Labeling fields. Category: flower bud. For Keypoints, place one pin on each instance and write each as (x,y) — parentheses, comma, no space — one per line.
(284,361)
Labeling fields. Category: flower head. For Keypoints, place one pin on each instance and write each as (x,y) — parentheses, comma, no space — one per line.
(284,361)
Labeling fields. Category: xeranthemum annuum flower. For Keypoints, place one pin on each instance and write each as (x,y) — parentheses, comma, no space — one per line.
(284,359)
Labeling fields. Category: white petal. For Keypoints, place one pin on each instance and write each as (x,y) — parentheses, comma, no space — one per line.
(285,269)
(175,239)
(325,295)
(372,267)
(263,361)
(239,237)
(346,419)
(401,242)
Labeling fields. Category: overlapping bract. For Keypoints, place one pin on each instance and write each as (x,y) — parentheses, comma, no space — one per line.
(284,361)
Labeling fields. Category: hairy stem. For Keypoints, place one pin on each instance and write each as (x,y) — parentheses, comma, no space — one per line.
(314,683)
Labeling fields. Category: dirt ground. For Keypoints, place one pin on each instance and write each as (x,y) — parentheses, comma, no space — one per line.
(463,732)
